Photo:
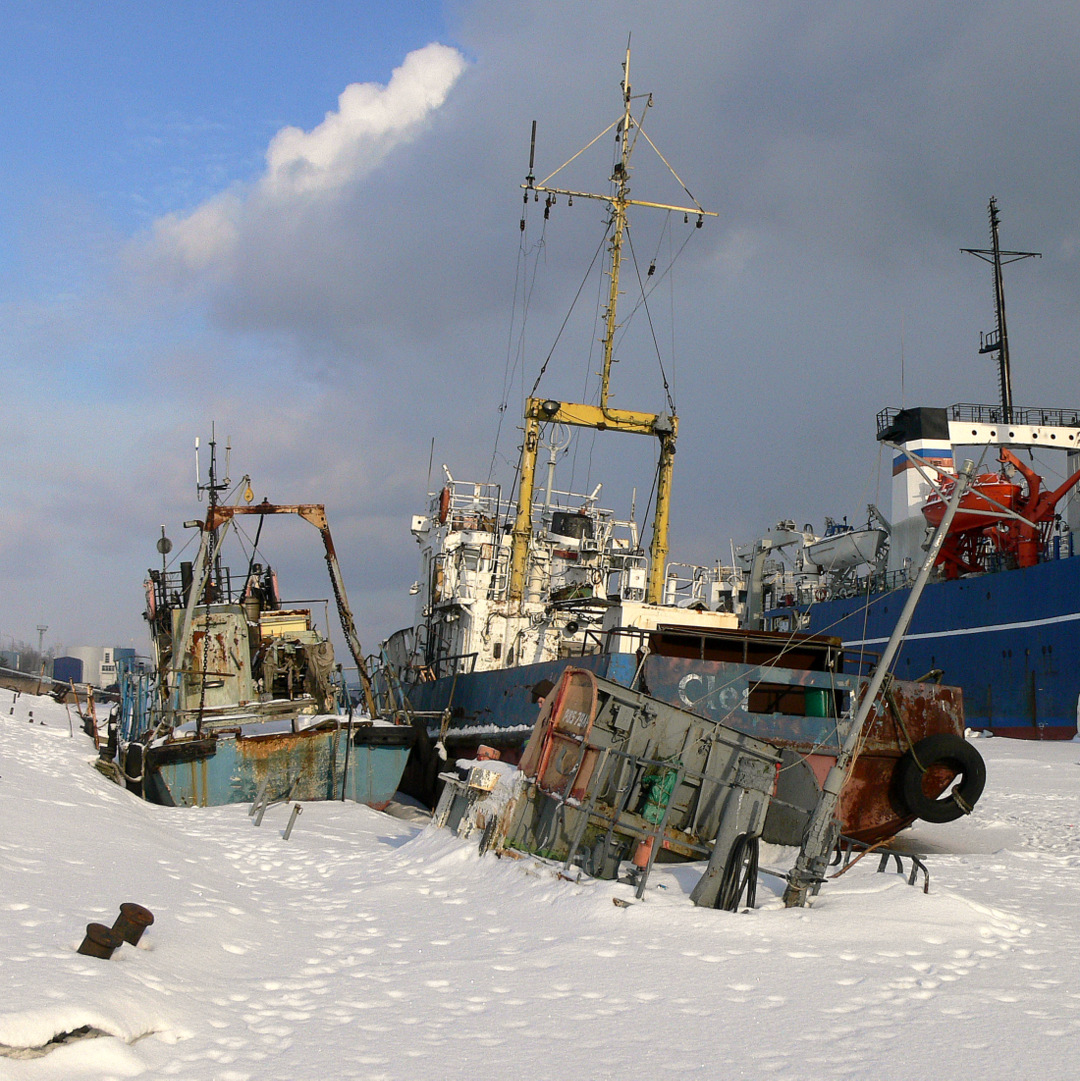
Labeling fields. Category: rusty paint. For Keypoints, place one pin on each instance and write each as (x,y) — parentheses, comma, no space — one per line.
(308,765)
(292,764)
(868,808)
(868,811)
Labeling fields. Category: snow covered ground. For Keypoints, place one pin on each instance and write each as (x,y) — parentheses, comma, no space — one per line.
(368,947)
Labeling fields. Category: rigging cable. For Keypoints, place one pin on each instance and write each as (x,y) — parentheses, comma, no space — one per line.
(652,328)
(577,295)
(514,357)
(595,399)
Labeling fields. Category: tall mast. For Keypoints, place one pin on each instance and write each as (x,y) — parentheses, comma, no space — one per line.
(619,202)
(213,489)
(603,418)
(997,341)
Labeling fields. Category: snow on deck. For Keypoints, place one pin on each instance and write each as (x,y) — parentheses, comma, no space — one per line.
(368,947)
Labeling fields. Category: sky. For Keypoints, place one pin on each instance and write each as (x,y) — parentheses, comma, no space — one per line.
(299,227)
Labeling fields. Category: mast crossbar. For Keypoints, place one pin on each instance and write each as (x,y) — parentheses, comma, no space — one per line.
(696,210)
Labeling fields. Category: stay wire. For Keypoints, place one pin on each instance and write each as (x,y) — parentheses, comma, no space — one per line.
(510,363)
(566,319)
(585,393)
(515,357)
(652,328)
(663,275)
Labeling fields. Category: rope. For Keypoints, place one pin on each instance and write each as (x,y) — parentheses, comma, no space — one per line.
(512,356)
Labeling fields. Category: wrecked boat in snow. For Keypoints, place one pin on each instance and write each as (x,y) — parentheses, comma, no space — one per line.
(611,775)
(244,699)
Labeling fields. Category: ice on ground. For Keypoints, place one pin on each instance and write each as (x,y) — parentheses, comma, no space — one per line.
(368,946)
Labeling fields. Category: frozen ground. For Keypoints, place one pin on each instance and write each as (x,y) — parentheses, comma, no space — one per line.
(367,947)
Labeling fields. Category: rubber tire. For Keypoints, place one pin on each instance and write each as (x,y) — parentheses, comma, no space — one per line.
(134,765)
(943,749)
(740,874)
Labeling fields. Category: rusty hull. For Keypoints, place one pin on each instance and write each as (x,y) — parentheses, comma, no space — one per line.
(785,716)
(868,809)
(306,765)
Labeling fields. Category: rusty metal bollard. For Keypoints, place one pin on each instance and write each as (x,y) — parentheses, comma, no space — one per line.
(100,941)
(132,921)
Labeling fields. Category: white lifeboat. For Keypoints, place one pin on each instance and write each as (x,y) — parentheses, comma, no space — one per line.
(844,547)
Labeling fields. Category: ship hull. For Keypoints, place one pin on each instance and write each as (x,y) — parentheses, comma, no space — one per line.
(311,765)
(1010,640)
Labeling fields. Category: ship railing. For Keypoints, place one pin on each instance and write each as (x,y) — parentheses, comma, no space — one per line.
(1032,416)
(593,641)
(468,505)
(566,500)
(138,690)
(457,664)
(804,595)
(686,584)
(171,588)
(499,573)
(858,661)
(480,512)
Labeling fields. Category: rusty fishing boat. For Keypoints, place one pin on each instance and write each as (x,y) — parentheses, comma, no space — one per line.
(243,700)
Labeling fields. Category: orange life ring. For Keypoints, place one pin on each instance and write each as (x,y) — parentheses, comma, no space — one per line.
(820,593)
(444,505)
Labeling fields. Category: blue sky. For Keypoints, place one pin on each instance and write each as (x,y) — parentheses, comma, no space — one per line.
(301,223)
(142,108)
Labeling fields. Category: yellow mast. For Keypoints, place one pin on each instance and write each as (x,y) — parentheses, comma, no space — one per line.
(603,418)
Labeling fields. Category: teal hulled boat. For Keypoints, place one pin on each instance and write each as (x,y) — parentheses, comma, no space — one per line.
(243,700)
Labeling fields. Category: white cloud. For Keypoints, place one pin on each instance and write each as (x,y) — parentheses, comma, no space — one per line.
(371,121)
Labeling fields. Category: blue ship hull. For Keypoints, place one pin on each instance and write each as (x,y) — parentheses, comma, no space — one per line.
(488,705)
(1010,640)
(312,765)
(499,708)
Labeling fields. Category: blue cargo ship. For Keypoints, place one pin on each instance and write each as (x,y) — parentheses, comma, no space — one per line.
(1007,634)
(1001,620)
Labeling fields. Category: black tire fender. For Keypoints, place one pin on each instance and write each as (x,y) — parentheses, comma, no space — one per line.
(953,752)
